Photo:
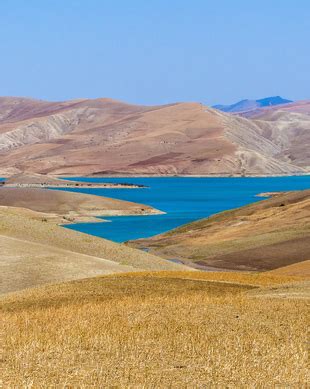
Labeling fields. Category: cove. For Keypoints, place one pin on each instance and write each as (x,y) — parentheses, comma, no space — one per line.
(184,199)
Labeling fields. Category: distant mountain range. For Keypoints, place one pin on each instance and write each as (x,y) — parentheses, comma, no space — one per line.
(249,105)
(108,137)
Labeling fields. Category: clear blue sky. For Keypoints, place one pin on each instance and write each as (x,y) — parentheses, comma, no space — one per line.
(155,51)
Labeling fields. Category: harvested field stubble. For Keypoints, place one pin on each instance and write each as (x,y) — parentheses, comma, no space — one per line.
(145,331)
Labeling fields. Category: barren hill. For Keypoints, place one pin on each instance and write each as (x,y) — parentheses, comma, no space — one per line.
(104,136)
(262,236)
(35,252)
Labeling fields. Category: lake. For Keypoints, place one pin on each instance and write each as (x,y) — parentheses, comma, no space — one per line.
(184,199)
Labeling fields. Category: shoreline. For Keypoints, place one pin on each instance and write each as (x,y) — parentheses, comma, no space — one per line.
(74,218)
(224,175)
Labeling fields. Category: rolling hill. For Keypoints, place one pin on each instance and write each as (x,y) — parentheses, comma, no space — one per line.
(104,136)
(262,236)
(35,250)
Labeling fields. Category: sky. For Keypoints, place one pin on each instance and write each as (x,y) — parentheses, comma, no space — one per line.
(155,52)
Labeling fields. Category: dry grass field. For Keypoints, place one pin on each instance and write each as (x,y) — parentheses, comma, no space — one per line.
(157,330)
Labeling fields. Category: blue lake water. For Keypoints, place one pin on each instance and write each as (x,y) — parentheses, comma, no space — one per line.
(184,199)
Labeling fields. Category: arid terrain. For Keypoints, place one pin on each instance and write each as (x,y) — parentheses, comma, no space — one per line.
(262,236)
(158,329)
(36,250)
(104,136)
(81,311)
(150,239)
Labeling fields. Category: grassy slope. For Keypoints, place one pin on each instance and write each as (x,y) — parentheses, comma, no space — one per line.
(35,252)
(261,236)
(170,329)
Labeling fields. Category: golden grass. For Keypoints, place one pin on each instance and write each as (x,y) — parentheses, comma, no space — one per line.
(243,278)
(155,330)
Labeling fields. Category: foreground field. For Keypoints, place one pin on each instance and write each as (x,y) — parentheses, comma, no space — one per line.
(158,330)
(262,236)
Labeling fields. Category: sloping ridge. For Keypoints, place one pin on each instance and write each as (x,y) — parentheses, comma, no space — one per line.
(262,236)
(29,264)
(35,250)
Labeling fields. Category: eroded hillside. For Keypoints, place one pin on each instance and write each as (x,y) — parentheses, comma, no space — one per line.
(104,136)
